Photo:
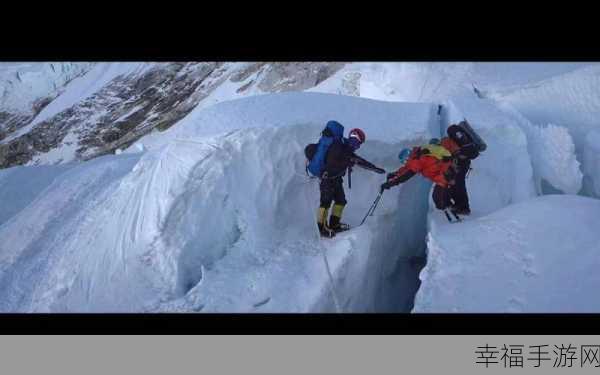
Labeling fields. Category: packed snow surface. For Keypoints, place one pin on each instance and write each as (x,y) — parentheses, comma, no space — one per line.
(540,255)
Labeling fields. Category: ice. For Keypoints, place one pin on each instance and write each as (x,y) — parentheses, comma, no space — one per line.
(220,220)
(570,100)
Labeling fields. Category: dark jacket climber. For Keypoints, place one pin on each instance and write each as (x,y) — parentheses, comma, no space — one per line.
(462,154)
(340,157)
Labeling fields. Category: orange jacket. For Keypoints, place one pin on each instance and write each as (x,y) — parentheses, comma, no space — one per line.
(427,165)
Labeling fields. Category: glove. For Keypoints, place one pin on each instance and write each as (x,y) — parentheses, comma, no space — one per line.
(390,175)
(385,186)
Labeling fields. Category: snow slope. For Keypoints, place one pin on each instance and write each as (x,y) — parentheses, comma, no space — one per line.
(21,84)
(20,186)
(420,81)
(214,218)
(79,89)
(85,86)
(540,255)
(39,257)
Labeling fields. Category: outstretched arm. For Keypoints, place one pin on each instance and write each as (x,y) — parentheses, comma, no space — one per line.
(357,160)
(401,175)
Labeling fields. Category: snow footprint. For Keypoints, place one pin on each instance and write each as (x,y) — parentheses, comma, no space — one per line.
(515,305)
(529,271)
(509,256)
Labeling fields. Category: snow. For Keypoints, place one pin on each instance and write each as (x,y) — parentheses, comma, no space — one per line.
(489,263)
(495,75)
(85,86)
(591,161)
(228,90)
(21,84)
(540,255)
(63,154)
(555,154)
(20,186)
(570,100)
(220,220)
(408,82)
(38,255)
(390,122)
(503,174)
(420,81)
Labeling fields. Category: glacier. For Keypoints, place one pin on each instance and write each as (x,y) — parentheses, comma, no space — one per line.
(216,213)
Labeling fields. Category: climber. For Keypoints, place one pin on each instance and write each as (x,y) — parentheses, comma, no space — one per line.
(447,163)
(464,145)
(434,162)
(329,159)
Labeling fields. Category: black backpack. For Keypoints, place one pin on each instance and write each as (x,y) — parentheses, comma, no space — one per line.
(464,135)
(469,142)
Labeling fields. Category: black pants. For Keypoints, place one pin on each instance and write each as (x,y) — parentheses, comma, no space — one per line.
(458,192)
(332,190)
(441,197)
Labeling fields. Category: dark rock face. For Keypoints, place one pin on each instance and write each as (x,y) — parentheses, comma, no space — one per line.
(12,122)
(131,106)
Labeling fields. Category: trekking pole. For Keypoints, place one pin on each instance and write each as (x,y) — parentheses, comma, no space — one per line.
(372,209)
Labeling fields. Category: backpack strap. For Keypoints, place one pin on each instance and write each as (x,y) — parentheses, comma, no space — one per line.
(438,152)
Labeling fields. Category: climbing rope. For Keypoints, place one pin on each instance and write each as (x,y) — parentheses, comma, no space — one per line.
(331,284)
(323,253)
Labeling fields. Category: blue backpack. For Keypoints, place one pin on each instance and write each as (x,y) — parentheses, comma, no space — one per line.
(316,153)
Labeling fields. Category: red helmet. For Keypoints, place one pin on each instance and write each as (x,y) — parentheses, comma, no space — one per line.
(358,134)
